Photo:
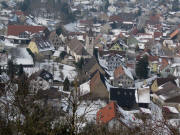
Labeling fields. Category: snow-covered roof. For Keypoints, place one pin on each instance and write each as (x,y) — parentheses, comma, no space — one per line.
(15,37)
(145,110)
(7,43)
(56,53)
(143,95)
(128,73)
(172,109)
(85,88)
(108,85)
(21,56)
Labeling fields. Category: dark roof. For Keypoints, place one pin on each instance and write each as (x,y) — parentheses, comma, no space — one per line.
(95,78)
(89,63)
(77,47)
(170,92)
(161,81)
(115,18)
(52,93)
(15,30)
(43,44)
(123,97)
(46,75)
(122,17)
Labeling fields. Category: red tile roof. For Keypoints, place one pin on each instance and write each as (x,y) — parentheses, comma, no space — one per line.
(153,58)
(115,18)
(107,113)
(86,22)
(174,33)
(15,30)
(18,13)
(157,34)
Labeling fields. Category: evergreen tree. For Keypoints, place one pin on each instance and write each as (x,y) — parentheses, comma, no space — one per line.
(0,70)
(59,31)
(175,5)
(11,69)
(66,84)
(62,55)
(139,11)
(25,5)
(80,63)
(21,70)
(4,4)
(142,68)
(106,4)
(137,48)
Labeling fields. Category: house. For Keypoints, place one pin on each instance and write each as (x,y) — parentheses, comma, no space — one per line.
(113,61)
(107,113)
(21,16)
(123,97)
(143,97)
(168,94)
(174,34)
(118,45)
(41,80)
(55,40)
(153,63)
(123,77)
(115,118)
(170,112)
(52,97)
(103,17)
(98,88)
(106,28)
(132,42)
(160,81)
(20,34)
(76,49)
(24,31)
(91,65)
(20,56)
(46,75)
(165,68)
(104,53)
(41,47)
